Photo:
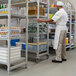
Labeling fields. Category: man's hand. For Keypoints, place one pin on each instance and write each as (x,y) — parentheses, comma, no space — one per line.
(49,21)
(39,20)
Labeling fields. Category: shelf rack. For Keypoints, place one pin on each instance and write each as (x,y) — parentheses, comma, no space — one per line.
(37,52)
(23,61)
(71,29)
(8,51)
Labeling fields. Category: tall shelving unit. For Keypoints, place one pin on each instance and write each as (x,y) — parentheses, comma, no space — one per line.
(11,56)
(38,43)
(71,26)
(71,30)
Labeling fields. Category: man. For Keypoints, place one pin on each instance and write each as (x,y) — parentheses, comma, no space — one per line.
(60,18)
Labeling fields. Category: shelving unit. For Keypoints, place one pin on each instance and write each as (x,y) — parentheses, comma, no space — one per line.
(71,28)
(11,56)
(37,47)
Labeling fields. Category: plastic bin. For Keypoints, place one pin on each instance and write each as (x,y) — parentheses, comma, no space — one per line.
(13,42)
(33,48)
(23,46)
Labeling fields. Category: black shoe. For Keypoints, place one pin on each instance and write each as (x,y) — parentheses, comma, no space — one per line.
(64,59)
(56,61)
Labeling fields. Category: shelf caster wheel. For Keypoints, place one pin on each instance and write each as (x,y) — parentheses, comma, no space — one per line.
(37,60)
(47,56)
(26,67)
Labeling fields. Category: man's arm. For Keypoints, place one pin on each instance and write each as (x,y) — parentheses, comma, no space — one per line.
(49,21)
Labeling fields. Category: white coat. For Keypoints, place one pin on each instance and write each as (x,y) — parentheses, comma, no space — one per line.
(61,19)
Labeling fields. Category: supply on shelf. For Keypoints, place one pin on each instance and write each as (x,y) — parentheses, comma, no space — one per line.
(33,47)
(4,10)
(33,10)
(33,27)
(53,5)
(51,15)
(15,31)
(67,41)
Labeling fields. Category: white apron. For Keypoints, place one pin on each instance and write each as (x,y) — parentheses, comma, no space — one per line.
(57,34)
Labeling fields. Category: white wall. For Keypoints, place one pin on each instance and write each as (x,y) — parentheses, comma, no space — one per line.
(73,3)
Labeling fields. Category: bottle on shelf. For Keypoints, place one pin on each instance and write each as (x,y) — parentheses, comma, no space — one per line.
(5,6)
(0,6)
(67,41)
(33,10)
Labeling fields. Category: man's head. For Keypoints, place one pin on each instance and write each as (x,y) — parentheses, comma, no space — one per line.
(60,4)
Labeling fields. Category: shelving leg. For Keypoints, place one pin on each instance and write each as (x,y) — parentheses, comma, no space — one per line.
(38,29)
(26,53)
(9,22)
(48,31)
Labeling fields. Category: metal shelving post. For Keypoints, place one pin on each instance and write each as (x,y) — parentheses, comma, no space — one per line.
(9,22)
(74,28)
(38,5)
(75,31)
(48,30)
(26,32)
(70,27)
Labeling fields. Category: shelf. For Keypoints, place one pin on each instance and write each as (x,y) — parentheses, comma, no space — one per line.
(67,47)
(36,51)
(5,38)
(72,46)
(73,23)
(31,3)
(3,31)
(6,1)
(3,1)
(19,4)
(35,16)
(35,2)
(52,32)
(41,43)
(39,33)
(67,44)
(72,34)
(5,16)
